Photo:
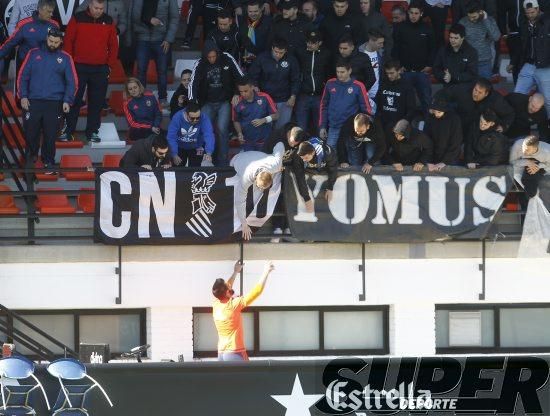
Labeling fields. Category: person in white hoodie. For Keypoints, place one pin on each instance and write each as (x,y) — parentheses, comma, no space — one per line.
(531,159)
(21,10)
(256,169)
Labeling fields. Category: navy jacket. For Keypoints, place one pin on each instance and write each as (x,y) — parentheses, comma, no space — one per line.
(30,33)
(341,100)
(278,79)
(143,112)
(47,75)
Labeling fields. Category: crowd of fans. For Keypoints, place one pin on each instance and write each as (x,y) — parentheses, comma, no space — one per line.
(335,82)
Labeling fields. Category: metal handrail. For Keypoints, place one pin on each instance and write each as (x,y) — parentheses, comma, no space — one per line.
(54,341)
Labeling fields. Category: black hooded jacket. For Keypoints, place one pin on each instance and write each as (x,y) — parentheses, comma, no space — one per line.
(214,82)
(416,147)
(487,148)
(446,135)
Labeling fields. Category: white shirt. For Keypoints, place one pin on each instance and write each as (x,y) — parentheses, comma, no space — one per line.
(248,165)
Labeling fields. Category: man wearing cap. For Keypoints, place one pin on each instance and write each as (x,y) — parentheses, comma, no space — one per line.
(314,61)
(409,147)
(445,129)
(47,84)
(534,58)
(291,25)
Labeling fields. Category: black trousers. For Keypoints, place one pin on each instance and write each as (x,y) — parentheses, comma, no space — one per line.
(191,156)
(438,17)
(531,182)
(96,78)
(209,16)
(43,117)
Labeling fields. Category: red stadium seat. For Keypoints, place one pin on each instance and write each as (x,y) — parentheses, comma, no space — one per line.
(11,140)
(77,161)
(111,161)
(118,76)
(115,102)
(86,202)
(1,176)
(7,202)
(12,101)
(73,144)
(53,204)
(42,177)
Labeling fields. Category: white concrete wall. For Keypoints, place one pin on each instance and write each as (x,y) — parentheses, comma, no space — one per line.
(169,290)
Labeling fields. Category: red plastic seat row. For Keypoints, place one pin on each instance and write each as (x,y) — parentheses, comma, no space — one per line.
(7,202)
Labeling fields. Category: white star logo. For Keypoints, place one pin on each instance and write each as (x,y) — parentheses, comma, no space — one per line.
(297,403)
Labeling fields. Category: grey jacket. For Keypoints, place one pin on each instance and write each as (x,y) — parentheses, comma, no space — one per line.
(481,36)
(117,9)
(167,12)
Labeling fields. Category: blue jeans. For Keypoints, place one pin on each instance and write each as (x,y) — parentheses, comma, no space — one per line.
(531,76)
(145,51)
(232,356)
(285,114)
(307,110)
(359,152)
(485,69)
(333,136)
(219,114)
(423,86)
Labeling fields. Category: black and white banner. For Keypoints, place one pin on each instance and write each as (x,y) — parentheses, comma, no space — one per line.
(174,207)
(198,206)
(389,206)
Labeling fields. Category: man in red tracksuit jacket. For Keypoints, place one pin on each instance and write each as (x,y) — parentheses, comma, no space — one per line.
(91,39)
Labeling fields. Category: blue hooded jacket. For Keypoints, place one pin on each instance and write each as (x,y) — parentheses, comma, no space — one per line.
(184,135)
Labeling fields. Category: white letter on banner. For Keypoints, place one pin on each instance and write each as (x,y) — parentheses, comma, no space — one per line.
(389,196)
(302,215)
(361,199)
(486,198)
(165,210)
(106,204)
(438,200)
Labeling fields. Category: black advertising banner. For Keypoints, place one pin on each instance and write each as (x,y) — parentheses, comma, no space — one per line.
(164,207)
(388,206)
(481,385)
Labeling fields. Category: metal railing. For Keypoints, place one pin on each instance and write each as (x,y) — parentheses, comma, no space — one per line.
(20,335)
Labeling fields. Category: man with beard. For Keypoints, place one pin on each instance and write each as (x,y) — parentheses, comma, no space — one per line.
(47,85)
(149,153)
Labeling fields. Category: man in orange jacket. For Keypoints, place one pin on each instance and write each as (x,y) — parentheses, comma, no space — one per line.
(227,309)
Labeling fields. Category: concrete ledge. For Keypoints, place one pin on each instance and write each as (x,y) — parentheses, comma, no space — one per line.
(86,252)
